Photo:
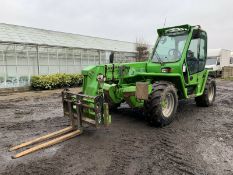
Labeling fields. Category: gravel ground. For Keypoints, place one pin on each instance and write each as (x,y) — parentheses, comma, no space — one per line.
(199,141)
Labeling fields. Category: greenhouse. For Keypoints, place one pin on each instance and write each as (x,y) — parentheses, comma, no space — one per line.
(25,52)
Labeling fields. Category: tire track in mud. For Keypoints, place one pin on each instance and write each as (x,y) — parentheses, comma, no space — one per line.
(168,155)
(162,154)
(48,123)
(130,147)
(172,156)
(30,129)
(42,166)
(221,97)
(26,108)
(224,95)
(122,152)
(25,131)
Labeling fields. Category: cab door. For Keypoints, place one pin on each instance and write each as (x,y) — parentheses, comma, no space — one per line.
(195,61)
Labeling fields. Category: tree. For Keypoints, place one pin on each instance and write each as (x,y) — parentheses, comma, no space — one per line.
(142,50)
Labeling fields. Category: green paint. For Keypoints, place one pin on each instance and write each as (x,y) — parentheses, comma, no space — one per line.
(120,84)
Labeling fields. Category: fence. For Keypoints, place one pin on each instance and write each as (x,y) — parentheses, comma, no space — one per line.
(19,62)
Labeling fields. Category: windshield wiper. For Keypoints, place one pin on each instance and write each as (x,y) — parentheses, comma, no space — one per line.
(158,58)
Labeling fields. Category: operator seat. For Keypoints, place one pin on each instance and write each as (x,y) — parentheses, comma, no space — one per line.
(192,62)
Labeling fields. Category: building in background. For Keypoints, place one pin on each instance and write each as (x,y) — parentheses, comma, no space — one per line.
(26,51)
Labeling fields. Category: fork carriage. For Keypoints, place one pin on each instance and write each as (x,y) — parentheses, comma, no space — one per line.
(80,109)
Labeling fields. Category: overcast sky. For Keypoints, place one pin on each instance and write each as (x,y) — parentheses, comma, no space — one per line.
(123,19)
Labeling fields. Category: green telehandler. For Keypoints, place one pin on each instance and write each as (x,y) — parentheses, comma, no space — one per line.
(174,71)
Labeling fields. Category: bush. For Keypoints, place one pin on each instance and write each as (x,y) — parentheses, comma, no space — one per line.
(55,81)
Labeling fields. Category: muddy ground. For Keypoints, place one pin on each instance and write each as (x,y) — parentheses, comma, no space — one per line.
(199,141)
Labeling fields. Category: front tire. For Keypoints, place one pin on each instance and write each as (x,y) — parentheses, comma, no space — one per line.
(208,96)
(162,104)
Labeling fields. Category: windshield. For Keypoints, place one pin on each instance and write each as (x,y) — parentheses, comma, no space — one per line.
(169,48)
(211,61)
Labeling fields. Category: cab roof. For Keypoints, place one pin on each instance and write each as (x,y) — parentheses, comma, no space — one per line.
(180,28)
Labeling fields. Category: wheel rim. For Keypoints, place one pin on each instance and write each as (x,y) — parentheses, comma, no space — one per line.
(211,92)
(168,104)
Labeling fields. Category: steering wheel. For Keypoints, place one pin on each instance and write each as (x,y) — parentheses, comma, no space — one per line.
(174,53)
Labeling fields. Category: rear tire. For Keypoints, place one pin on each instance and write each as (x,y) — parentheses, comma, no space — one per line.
(208,96)
(162,104)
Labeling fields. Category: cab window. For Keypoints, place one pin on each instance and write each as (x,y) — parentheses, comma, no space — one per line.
(196,54)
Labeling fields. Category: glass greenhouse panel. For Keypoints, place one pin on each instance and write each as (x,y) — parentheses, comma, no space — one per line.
(71,69)
(70,60)
(33,70)
(91,60)
(10,59)
(44,70)
(32,58)
(43,59)
(22,59)
(62,59)
(53,69)
(2,62)
(77,59)
(53,59)
(62,69)
(11,77)
(23,75)
(2,76)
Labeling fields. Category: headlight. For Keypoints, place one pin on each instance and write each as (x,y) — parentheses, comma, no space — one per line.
(166,70)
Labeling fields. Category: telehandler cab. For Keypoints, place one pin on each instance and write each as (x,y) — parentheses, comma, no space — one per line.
(175,70)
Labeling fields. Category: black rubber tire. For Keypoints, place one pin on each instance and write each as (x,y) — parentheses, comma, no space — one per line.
(203,100)
(153,106)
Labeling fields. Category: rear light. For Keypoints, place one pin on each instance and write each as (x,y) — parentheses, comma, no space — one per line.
(166,70)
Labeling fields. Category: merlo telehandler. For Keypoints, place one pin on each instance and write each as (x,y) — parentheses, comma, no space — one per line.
(174,71)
